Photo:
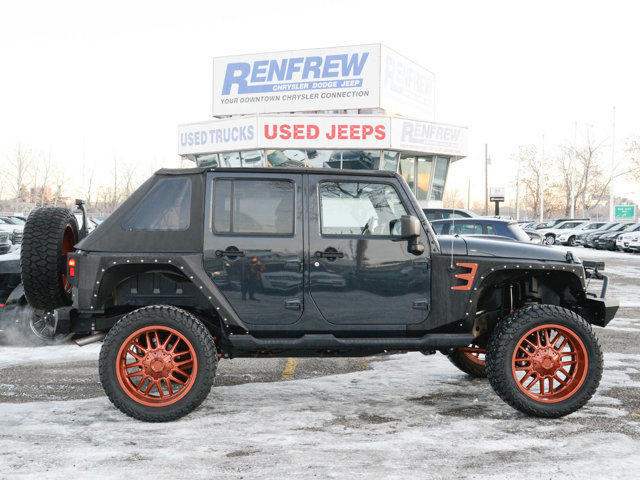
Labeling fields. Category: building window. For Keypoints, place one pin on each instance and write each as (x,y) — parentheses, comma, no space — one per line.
(439,178)
(362,209)
(253,207)
(166,207)
(407,170)
(423,177)
(390,161)
(253,158)
(207,160)
(287,158)
(230,159)
(361,159)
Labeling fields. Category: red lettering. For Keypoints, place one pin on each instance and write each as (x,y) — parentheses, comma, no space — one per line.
(354,132)
(298,132)
(285,131)
(312,131)
(332,135)
(342,132)
(268,135)
(380,132)
(366,131)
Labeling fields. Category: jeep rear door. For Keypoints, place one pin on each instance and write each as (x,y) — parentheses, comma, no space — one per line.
(253,244)
(360,270)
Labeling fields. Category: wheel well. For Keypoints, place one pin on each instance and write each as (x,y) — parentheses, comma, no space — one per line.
(506,291)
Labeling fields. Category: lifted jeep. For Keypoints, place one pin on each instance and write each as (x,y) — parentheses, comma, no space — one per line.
(208,263)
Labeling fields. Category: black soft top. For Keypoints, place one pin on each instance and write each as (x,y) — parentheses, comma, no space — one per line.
(111,236)
(302,170)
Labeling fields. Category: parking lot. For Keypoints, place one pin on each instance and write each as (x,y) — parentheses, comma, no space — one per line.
(399,416)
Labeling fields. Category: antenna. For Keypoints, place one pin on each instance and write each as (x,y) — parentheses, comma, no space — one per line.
(453,231)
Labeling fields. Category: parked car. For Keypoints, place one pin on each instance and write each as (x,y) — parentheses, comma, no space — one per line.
(481,226)
(444,213)
(607,241)
(145,278)
(11,226)
(550,234)
(581,238)
(569,236)
(534,236)
(626,241)
(5,242)
(590,240)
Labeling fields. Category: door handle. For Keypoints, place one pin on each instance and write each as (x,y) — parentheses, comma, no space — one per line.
(230,252)
(328,254)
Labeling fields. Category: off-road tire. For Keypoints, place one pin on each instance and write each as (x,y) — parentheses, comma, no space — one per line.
(192,329)
(42,259)
(468,366)
(507,335)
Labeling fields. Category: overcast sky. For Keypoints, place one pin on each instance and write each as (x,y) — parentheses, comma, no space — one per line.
(122,75)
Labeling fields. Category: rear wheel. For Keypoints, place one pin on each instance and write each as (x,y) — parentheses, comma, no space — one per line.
(158,363)
(572,241)
(549,239)
(544,361)
(471,360)
(49,235)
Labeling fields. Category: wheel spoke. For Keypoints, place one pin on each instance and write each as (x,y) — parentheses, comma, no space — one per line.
(139,386)
(526,376)
(173,377)
(135,374)
(159,387)
(562,382)
(562,345)
(166,342)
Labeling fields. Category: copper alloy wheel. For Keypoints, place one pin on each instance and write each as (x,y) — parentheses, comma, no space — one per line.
(68,242)
(474,352)
(156,366)
(550,363)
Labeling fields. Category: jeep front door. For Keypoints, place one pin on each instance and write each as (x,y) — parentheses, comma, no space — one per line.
(360,269)
(253,244)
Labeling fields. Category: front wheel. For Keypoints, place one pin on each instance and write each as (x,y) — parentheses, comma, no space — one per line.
(549,240)
(544,361)
(158,363)
(572,241)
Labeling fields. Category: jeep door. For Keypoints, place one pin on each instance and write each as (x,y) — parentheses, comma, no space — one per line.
(253,244)
(360,269)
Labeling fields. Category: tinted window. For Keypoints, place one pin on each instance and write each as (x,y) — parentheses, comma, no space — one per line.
(467,228)
(167,206)
(257,207)
(490,230)
(354,208)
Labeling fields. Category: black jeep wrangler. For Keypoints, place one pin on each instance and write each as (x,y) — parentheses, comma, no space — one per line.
(208,263)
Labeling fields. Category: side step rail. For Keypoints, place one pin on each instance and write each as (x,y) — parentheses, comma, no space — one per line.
(327,341)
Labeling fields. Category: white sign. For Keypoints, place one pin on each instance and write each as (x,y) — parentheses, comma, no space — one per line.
(218,136)
(496,194)
(406,87)
(300,80)
(339,132)
(334,132)
(428,137)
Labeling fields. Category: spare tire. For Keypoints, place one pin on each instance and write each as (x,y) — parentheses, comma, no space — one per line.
(49,235)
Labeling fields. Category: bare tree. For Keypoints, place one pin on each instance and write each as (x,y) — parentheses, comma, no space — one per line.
(453,199)
(18,166)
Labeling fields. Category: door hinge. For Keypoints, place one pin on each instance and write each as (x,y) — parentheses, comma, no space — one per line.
(422,263)
(421,305)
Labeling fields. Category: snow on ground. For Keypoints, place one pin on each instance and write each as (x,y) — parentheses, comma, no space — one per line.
(10,356)
(391,422)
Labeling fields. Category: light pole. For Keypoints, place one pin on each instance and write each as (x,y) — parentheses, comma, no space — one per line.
(486,179)
(518,190)
(613,165)
(541,182)
(574,159)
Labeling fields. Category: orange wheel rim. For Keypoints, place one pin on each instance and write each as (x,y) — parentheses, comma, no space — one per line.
(156,366)
(475,353)
(550,363)
(68,242)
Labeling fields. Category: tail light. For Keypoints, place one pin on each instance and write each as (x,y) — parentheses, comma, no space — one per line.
(72,267)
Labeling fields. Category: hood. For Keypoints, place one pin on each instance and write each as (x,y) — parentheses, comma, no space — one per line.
(487,247)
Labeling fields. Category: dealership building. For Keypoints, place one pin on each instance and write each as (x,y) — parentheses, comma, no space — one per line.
(356,107)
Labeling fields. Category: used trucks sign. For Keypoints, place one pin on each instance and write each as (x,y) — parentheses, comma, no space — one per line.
(341,78)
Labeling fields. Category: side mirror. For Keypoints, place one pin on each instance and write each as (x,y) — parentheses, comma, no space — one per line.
(410,230)
(409,227)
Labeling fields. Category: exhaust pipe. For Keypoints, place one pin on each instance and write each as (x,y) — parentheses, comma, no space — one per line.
(95,337)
